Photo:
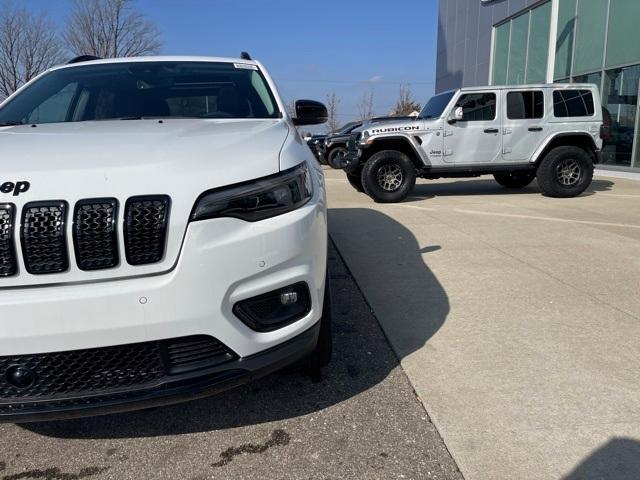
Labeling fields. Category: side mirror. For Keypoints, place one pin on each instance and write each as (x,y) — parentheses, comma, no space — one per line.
(456,115)
(310,112)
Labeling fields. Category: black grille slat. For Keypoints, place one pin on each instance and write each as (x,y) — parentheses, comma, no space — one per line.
(106,370)
(43,237)
(198,352)
(8,263)
(95,236)
(145,229)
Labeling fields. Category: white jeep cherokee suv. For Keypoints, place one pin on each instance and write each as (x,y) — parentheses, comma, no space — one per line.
(163,235)
(518,133)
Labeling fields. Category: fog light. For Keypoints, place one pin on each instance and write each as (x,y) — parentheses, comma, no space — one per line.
(288,298)
(276,309)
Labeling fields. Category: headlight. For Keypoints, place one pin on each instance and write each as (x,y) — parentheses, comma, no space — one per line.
(258,199)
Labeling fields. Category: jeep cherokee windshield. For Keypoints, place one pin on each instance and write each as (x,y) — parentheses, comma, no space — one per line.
(137,90)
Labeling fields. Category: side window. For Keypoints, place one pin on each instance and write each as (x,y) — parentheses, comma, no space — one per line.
(573,103)
(478,106)
(55,108)
(525,105)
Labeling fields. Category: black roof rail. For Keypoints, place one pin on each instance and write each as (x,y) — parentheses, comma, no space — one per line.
(245,56)
(83,58)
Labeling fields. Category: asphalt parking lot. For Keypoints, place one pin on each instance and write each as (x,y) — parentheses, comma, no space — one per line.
(361,421)
(516,318)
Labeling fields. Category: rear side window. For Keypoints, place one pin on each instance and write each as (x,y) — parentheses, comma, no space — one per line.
(478,106)
(573,103)
(525,105)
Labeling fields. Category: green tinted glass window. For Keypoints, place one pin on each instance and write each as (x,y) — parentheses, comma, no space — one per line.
(590,32)
(538,44)
(501,54)
(624,33)
(518,49)
(595,78)
(564,39)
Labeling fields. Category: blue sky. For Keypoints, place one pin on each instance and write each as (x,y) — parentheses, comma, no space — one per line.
(310,48)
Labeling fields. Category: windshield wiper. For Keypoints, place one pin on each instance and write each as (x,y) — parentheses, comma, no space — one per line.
(11,123)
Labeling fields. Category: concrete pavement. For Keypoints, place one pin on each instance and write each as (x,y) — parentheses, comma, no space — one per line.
(516,318)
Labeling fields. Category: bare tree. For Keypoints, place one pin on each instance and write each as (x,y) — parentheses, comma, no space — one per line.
(365,106)
(110,28)
(28,46)
(332,108)
(406,105)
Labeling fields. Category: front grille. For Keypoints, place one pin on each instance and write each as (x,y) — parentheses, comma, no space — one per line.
(352,143)
(8,264)
(95,233)
(43,234)
(43,237)
(145,228)
(99,371)
(197,352)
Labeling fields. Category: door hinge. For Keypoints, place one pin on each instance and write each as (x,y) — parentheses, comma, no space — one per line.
(507,131)
(447,133)
(507,150)
(448,153)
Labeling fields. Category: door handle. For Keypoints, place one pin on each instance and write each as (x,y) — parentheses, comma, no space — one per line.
(535,129)
(491,130)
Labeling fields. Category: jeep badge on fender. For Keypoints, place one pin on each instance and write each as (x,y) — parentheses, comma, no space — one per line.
(16,188)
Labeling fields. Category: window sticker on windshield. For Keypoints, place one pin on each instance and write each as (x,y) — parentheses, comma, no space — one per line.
(245,66)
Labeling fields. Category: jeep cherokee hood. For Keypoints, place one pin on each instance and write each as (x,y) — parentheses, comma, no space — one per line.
(180,158)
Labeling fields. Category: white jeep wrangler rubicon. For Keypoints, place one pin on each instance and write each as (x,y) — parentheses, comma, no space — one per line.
(518,133)
(163,235)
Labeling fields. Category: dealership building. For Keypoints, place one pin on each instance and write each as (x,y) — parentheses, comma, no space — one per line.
(500,42)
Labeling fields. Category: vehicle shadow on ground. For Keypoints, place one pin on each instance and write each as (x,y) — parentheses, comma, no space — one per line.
(485,186)
(390,266)
(619,459)
(362,358)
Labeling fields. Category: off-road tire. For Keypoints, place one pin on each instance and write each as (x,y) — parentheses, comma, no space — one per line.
(385,169)
(514,179)
(355,181)
(565,172)
(333,156)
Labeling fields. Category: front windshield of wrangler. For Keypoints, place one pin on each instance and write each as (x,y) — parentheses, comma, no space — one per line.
(436,105)
(135,90)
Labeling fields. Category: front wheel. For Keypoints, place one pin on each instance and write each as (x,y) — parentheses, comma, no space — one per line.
(388,176)
(335,157)
(514,179)
(565,172)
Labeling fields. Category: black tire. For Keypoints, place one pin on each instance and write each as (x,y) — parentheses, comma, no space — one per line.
(565,172)
(323,352)
(355,181)
(388,176)
(334,157)
(514,179)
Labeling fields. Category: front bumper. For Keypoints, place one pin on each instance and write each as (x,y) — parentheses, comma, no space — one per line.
(351,160)
(222,262)
(170,390)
